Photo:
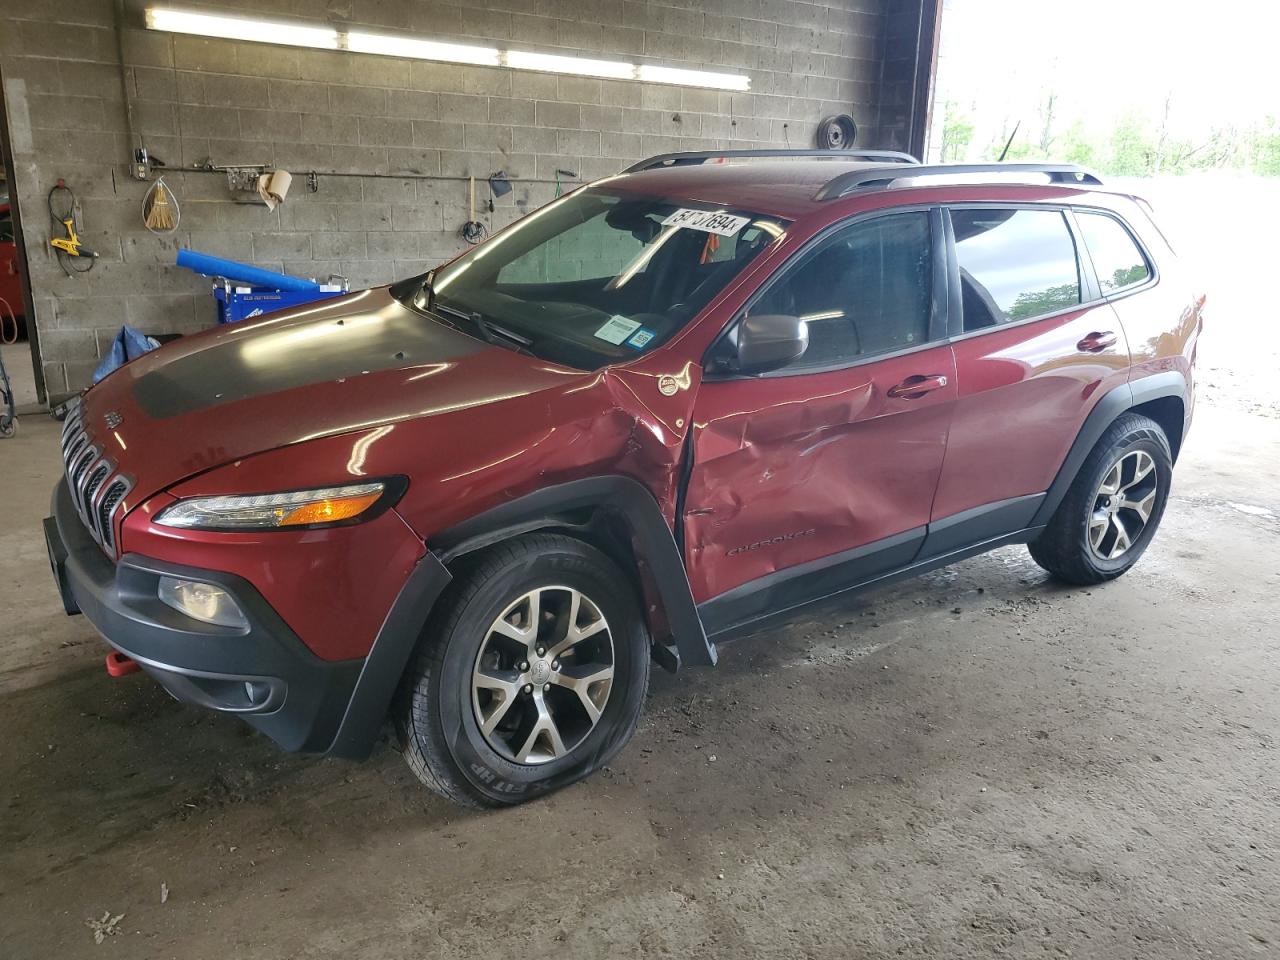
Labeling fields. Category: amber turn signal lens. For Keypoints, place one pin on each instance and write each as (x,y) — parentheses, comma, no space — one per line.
(328,510)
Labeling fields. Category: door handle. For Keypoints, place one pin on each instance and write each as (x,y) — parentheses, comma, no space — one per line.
(1097,341)
(917,386)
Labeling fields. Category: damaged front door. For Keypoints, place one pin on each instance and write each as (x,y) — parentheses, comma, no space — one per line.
(823,473)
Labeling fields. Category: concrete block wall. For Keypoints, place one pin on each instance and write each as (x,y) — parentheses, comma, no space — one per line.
(391,140)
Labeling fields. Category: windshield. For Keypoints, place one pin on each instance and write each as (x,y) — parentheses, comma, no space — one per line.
(598,277)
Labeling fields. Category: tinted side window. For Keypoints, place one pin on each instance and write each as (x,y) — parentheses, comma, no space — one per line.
(866,289)
(1014,265)
(1116,257)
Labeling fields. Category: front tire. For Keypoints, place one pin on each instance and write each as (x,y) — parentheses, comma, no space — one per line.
(530,676)
(1113,508)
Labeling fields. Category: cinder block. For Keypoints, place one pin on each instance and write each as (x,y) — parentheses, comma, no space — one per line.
(223,91)
(413,104)
(388,190)
(551,114)
(511,112)
(393,245)
(153,83)
(145,48)
(386,131)
(282,246)
(69,345)
(299,95)
(206,54)
(167,312)
(487,137)
(209,121)
(361,101)
(339,245)
(579,89)
(413,160)
(419,217)
(533,140)
(328,128)
(585,143)
(270,125)
(463,108)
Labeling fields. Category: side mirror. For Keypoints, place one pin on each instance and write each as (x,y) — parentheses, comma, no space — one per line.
(769,341)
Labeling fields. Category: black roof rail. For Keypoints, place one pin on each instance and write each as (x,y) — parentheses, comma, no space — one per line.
(702,156)
(846,183)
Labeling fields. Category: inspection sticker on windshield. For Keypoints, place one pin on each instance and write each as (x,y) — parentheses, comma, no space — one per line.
(640,338)
(708,221)
(617,328)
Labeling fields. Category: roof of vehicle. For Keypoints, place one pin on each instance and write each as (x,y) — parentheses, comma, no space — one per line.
(790,188)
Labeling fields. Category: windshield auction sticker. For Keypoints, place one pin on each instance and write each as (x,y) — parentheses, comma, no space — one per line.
(617,328)
(708,221)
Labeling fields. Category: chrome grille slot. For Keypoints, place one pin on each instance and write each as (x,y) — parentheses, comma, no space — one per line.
(96,491)
(106,507)
(93,480)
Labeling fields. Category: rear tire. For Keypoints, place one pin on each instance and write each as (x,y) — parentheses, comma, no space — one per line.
(1112,510)
(530,676)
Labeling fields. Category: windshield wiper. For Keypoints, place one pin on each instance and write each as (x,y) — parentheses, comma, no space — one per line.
(488,331)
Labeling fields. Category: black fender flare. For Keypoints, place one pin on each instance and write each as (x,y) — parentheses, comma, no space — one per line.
(1111,405)
(626,499)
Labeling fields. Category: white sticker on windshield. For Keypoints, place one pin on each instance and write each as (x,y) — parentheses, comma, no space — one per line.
(617,329)
(708,221)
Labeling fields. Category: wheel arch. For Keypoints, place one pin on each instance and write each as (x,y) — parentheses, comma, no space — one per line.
(1160,397)
(618,516)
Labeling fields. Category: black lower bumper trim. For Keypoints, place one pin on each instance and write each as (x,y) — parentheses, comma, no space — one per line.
(265,673)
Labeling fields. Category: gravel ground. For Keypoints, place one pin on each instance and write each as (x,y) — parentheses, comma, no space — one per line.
(977,763)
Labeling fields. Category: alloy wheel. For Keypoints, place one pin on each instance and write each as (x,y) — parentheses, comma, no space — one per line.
(543,675)
(1123,504)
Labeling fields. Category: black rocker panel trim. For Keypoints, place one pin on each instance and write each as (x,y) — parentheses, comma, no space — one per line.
(805,583)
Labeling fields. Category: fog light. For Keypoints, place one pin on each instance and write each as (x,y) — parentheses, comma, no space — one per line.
(202,601)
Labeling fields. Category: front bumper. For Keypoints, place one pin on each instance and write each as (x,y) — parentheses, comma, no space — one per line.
(265,674)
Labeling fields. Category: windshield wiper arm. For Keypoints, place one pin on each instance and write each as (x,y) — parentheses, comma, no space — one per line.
(488,331)
(424,298)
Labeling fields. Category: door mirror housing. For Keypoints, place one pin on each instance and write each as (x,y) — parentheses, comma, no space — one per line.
(768,341)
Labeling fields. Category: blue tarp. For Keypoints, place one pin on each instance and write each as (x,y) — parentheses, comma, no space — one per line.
(128,344)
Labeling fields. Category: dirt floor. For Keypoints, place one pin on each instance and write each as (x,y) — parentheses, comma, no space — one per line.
(979,763)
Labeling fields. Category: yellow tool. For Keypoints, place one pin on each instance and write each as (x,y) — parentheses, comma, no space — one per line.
(62,208)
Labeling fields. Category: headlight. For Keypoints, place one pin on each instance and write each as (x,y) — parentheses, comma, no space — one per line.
(269,511)
(203,601)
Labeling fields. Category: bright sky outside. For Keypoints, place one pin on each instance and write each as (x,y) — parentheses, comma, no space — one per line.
(1216,62)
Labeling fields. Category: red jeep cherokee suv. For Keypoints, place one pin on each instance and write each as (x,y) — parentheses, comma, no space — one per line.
(660,410)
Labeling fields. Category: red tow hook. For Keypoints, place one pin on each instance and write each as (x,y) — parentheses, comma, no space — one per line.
(118,665)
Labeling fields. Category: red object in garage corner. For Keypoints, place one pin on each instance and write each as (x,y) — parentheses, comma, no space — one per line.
(118,665)
(10,278)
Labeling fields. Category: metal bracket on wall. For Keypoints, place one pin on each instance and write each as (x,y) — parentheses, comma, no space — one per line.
(244,179)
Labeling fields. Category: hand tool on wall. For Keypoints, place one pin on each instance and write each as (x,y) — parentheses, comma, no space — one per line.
(473,230)
(73,256)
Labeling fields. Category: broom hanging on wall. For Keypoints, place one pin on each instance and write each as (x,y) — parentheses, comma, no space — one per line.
(160,212)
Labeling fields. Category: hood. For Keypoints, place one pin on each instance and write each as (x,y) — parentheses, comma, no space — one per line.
(349,363)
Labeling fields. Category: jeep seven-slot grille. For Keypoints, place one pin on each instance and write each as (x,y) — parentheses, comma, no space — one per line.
(96,489)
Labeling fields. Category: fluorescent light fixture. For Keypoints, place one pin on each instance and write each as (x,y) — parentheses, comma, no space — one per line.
(413,49)
(693,78)
(551,63)
(241,28)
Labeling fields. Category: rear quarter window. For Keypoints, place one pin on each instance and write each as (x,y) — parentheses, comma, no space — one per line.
(1117,258)
(1015,264)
